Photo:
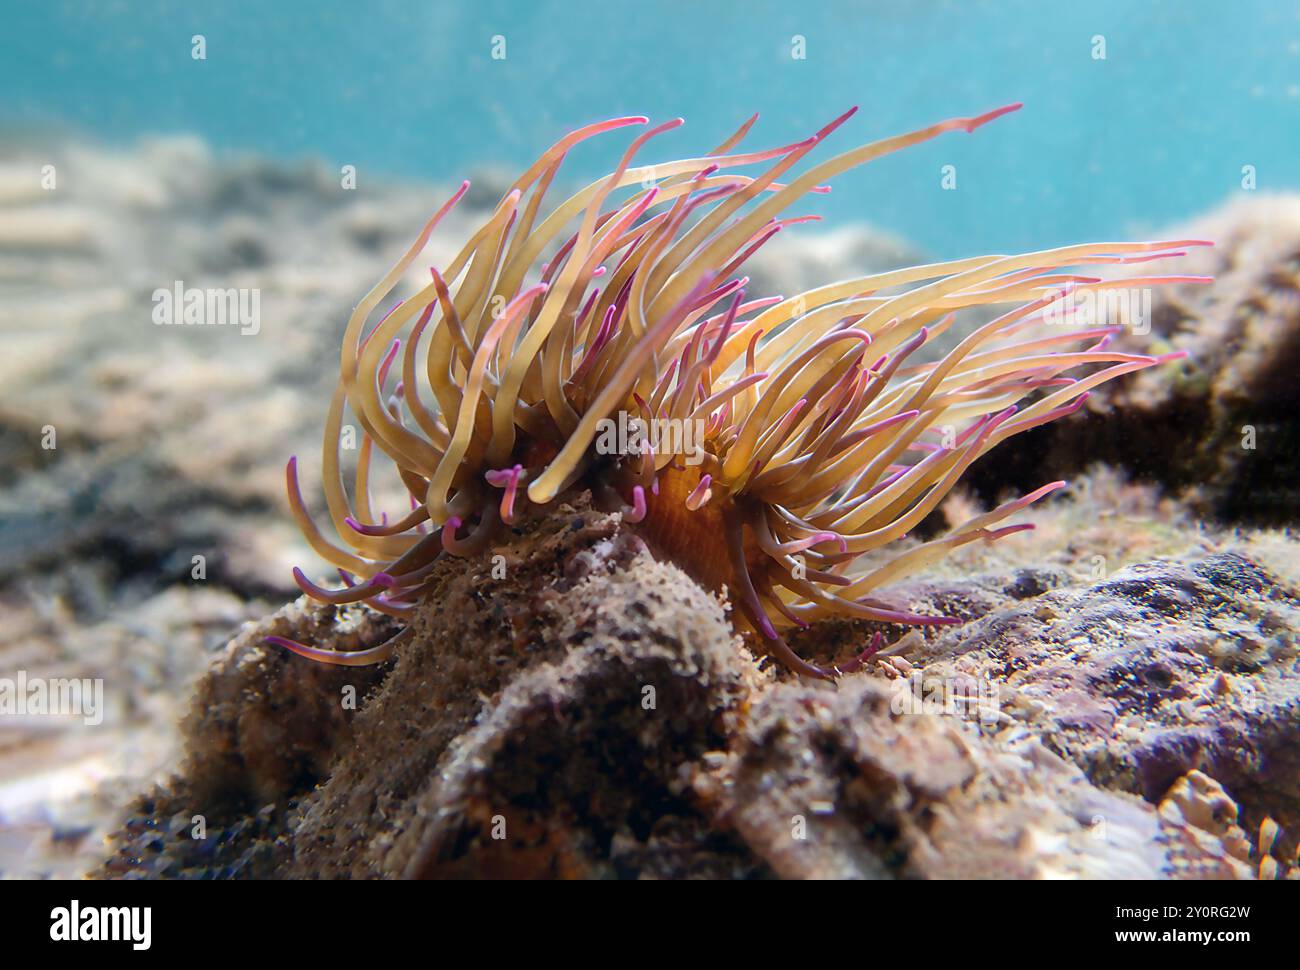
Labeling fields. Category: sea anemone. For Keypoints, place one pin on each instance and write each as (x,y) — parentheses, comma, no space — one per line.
(764,445)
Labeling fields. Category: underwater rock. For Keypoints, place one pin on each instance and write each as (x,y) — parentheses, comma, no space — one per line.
(1198,821)
(560,706)
(1160,669)
(554,708)
(577,709)
(838,784)
(260,729)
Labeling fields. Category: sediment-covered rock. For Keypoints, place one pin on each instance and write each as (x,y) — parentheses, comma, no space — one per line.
(586,711)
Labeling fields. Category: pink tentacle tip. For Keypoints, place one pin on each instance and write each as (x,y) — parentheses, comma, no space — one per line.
(835,537)
(817,539)
(872,648)
(449,532)
(701,494)
(970,124)
(638,511)
(381,529)
(507,478)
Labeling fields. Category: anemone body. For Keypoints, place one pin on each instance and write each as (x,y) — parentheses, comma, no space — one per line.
(799,433)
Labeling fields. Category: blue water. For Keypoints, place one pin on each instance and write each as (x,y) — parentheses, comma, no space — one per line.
(1190,91)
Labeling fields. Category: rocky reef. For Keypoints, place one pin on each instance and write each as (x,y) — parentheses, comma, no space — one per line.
(1122,702)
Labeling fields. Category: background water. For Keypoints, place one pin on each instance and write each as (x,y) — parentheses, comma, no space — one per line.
(1189,92)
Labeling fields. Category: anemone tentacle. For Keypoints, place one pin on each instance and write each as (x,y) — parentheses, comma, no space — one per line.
(807,430)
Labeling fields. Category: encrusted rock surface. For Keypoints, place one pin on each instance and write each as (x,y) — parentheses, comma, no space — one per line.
(1158,670)
(585,711)
(561,697)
